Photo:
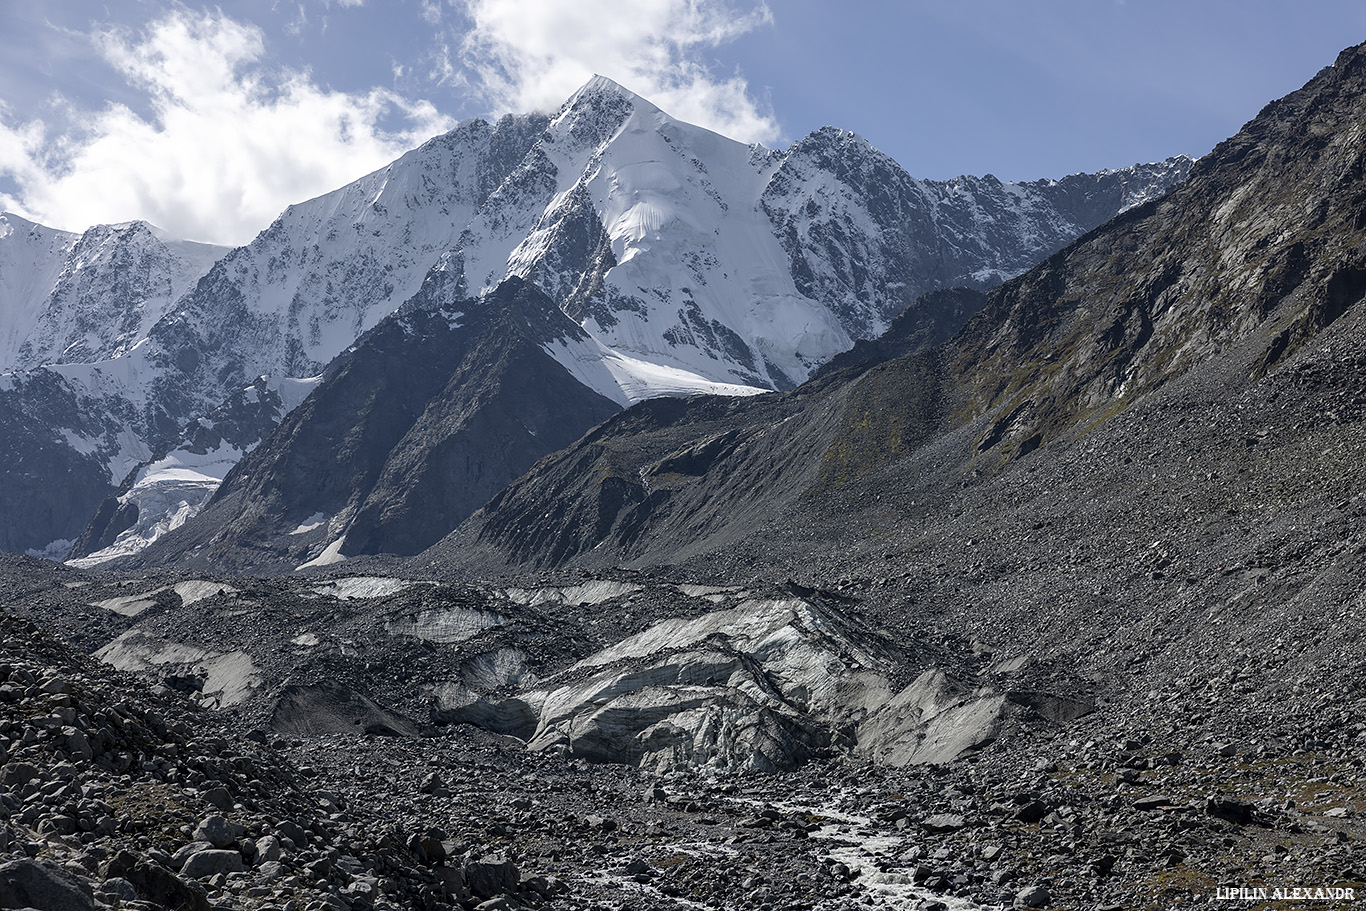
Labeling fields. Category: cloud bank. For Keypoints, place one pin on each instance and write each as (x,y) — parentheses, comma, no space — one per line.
(221,145)
(211,138)
(530,55)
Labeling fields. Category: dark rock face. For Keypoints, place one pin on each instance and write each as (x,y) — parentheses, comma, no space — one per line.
(933,320)
(34,884)
(330,708)
(430,414)
(49,486)
(1263,239)
(620,484)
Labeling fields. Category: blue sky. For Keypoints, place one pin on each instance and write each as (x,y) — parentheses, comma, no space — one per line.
(208,120)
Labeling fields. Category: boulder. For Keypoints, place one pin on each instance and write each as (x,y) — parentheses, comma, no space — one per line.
(38,884)
(491,876)
(209,863)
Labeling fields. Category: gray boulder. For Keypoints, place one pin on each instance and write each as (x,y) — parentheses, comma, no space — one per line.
(36,884)
(209,863)
(491,876)
(216,830)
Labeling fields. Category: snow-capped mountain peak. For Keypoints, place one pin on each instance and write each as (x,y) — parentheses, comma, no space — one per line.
(688,261)
(77,298)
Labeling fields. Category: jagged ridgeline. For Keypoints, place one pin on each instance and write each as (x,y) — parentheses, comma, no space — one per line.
(690,263)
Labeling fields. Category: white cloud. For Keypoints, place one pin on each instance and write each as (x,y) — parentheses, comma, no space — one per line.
(532,54)
(224,145)
(431,12)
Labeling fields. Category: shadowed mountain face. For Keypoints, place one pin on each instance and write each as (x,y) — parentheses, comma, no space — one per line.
(427,416)
(1203,302)
(137,348)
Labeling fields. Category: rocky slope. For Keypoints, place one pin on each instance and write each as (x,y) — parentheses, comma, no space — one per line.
(1131,481)
(1050,599)
(833,748)
(114,796)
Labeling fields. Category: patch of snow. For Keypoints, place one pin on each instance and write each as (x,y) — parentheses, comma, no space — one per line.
(129,605)
(293,390)
(492,670)
(627,380)
(448,625)
(314,521)
(586,593)
(713,593)
(230,678)
(331,554)
(196,590)
(364,587)
(83,445)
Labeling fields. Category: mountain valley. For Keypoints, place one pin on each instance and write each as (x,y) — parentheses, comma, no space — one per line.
(684,524)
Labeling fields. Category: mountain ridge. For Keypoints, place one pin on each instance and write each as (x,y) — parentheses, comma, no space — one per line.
(430,413)
(657,237)
(1049,358)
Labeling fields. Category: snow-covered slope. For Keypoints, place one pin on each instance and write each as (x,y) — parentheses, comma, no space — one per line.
(283,306)
(132,369)
(647,231)
(331,268)
(76,298)
(679,248)
(31,259)
(867,239)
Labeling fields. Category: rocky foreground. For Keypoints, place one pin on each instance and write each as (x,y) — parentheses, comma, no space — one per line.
(115,795)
